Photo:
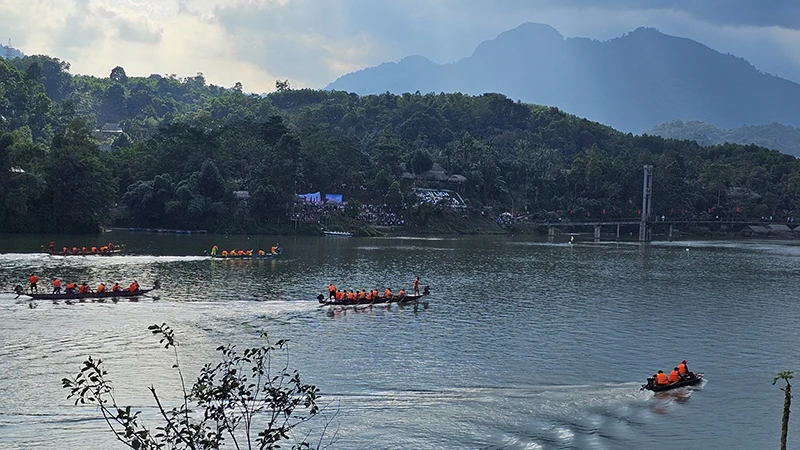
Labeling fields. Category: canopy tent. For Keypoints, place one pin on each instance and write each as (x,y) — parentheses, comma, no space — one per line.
(334,198)
(313,197)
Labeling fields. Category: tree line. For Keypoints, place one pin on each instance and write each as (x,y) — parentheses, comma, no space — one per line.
(187,147)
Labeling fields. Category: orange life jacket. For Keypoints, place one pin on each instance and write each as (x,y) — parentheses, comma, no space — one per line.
(673,376)
(56,283)
(401,293)
(351,295)
(83,289)
(387,293)
(116,287)
(71,286)
(34,279)
(661,378)
(362,295)
(331,288)
(338,295)
(94,249)
(101,288)
(682,369)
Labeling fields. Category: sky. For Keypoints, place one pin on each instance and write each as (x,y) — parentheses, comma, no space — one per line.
(313,42)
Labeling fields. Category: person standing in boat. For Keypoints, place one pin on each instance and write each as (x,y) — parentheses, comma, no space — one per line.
(34,280)
(416,286)
(56,286)
(214,250)
(332,291)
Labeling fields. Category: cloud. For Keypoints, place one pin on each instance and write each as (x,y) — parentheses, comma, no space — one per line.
(312,42)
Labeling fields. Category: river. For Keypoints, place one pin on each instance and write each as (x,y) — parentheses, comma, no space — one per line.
(523,344)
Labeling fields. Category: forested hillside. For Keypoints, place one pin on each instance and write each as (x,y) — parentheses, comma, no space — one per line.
(186,147)
(775,136)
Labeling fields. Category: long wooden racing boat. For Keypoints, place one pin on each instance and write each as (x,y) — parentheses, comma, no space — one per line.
(115,252)
(379,300)
(694,378)
(89,295)
(253,256)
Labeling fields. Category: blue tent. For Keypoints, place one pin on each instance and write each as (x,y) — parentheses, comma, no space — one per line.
(314,197)
(334,198)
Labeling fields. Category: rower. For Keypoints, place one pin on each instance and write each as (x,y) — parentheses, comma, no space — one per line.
(84,288)
(56,286)
(214,250)
(116,288)
(401,293)
(387,293)
(101,287)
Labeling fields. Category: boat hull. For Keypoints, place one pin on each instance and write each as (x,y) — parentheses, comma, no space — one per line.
(265,256)
(377,301)
(651,386)
(90,295)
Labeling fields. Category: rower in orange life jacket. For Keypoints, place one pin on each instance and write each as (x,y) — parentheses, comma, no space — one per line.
(34,280)
(387,293)
(661,378)
(101,287)
(116,288)
(674,376)
(84,288)
(331,291)
(401,293)
(94,249)
(70,287)
(56,286)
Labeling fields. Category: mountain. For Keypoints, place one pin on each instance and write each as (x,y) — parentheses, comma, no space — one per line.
(9,52)
(631,82)
(774,136)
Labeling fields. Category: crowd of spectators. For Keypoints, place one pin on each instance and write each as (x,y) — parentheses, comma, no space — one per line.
(379,215)
(440,197)
(314,212)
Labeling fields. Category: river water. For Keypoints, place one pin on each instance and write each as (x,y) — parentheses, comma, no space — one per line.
(524,343)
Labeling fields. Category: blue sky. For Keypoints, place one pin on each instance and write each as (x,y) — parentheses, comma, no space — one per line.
(312,42)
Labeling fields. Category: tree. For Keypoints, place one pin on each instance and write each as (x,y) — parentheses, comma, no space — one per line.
(787,403)
(118,75)
(282,86)
(232,400)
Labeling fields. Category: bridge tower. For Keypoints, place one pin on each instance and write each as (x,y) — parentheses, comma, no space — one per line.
(647,201)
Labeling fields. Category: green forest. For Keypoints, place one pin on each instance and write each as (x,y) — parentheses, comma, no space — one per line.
(186,150)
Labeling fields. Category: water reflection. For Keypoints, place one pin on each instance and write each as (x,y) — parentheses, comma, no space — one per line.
(524,343)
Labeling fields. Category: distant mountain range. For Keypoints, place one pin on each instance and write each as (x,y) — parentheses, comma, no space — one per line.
(631,83)
(779,137)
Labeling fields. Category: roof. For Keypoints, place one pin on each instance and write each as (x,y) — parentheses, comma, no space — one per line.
(779,228)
